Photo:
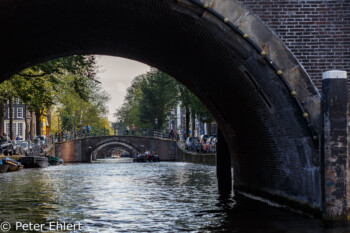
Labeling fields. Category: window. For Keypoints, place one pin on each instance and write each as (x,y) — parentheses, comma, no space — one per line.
(8,129)
(20,130)
(14,129)
(13,112)
(20,113)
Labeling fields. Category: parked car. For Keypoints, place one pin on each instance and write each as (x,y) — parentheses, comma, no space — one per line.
(37,146)
(26,147)
(6,145)
(17,149)
(43,140)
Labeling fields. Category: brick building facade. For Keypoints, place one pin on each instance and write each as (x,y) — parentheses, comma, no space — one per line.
(19,125)
(316,32)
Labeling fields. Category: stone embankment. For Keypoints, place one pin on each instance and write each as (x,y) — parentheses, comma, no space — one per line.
(193,157)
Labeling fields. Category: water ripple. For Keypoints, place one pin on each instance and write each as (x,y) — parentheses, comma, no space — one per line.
(119,196)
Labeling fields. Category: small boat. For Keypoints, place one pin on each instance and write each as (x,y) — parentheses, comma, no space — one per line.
(61,161)
(35,162)
(115,156)
(13,165)
(125,155)
(147,157)
(53,160)
(3,167)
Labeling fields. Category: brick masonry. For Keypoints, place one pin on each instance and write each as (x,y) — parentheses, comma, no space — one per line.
(272,148)
(334,144)
(77,150)
(316,32)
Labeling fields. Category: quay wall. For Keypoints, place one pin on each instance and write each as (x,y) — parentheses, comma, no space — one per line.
(192,157)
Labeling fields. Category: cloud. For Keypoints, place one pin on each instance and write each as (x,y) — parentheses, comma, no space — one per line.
(116,75)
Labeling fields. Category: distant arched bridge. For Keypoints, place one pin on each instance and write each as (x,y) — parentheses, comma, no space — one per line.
(86,149)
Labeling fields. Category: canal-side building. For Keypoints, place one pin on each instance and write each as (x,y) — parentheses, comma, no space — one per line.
(45,120)
(19,120)
(179,120)
(19,124)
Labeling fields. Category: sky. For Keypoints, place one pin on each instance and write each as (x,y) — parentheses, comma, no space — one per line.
(116,75)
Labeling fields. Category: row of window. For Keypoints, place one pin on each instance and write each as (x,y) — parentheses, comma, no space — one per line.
(17,129)
(19,113)
(16,101)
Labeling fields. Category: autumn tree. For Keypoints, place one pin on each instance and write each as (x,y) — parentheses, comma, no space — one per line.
(39,86)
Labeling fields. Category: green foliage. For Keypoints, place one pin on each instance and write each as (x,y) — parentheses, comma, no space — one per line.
(68,83)
(159,96)
(151,96)
(75,111)
(39,85)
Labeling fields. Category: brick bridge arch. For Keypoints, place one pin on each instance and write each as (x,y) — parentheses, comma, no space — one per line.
(102,147)
(81,150)
(265,103)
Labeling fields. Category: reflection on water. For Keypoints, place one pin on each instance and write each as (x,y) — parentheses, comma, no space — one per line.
(119,196)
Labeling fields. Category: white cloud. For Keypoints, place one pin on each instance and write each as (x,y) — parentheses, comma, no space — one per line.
(116,75)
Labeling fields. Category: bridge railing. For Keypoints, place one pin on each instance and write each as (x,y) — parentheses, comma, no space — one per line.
(121,131)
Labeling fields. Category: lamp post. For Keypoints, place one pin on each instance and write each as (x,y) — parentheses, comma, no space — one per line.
(156,122)
(58,122)
(173,114)
(74,134)
(58,127)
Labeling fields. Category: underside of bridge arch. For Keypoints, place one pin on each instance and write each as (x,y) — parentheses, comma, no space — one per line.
(260,115)
(105,149)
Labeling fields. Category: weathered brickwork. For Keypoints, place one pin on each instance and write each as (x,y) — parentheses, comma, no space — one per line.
(317,32)
(272,146)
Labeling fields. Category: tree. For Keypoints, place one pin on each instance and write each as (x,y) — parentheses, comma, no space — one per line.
(129,112)
(152,95)
(199,111)
(185,100)
(39,86)
(159,96)
(76,111)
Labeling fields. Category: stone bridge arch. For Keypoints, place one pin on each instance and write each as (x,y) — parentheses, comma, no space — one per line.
(265,103)
(114,144)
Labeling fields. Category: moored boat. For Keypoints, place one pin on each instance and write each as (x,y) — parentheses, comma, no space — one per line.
(53,160)
(147,157)
(13,165)
(3,167)
(35,162)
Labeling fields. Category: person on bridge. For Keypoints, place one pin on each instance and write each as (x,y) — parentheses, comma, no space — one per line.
(83,131)
(127,130)
(133,129)
(62,135)
(88,129)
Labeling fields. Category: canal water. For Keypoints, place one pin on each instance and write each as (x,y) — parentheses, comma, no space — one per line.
(121,196)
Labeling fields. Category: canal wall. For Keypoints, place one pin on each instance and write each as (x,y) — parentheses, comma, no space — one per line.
(192,157)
